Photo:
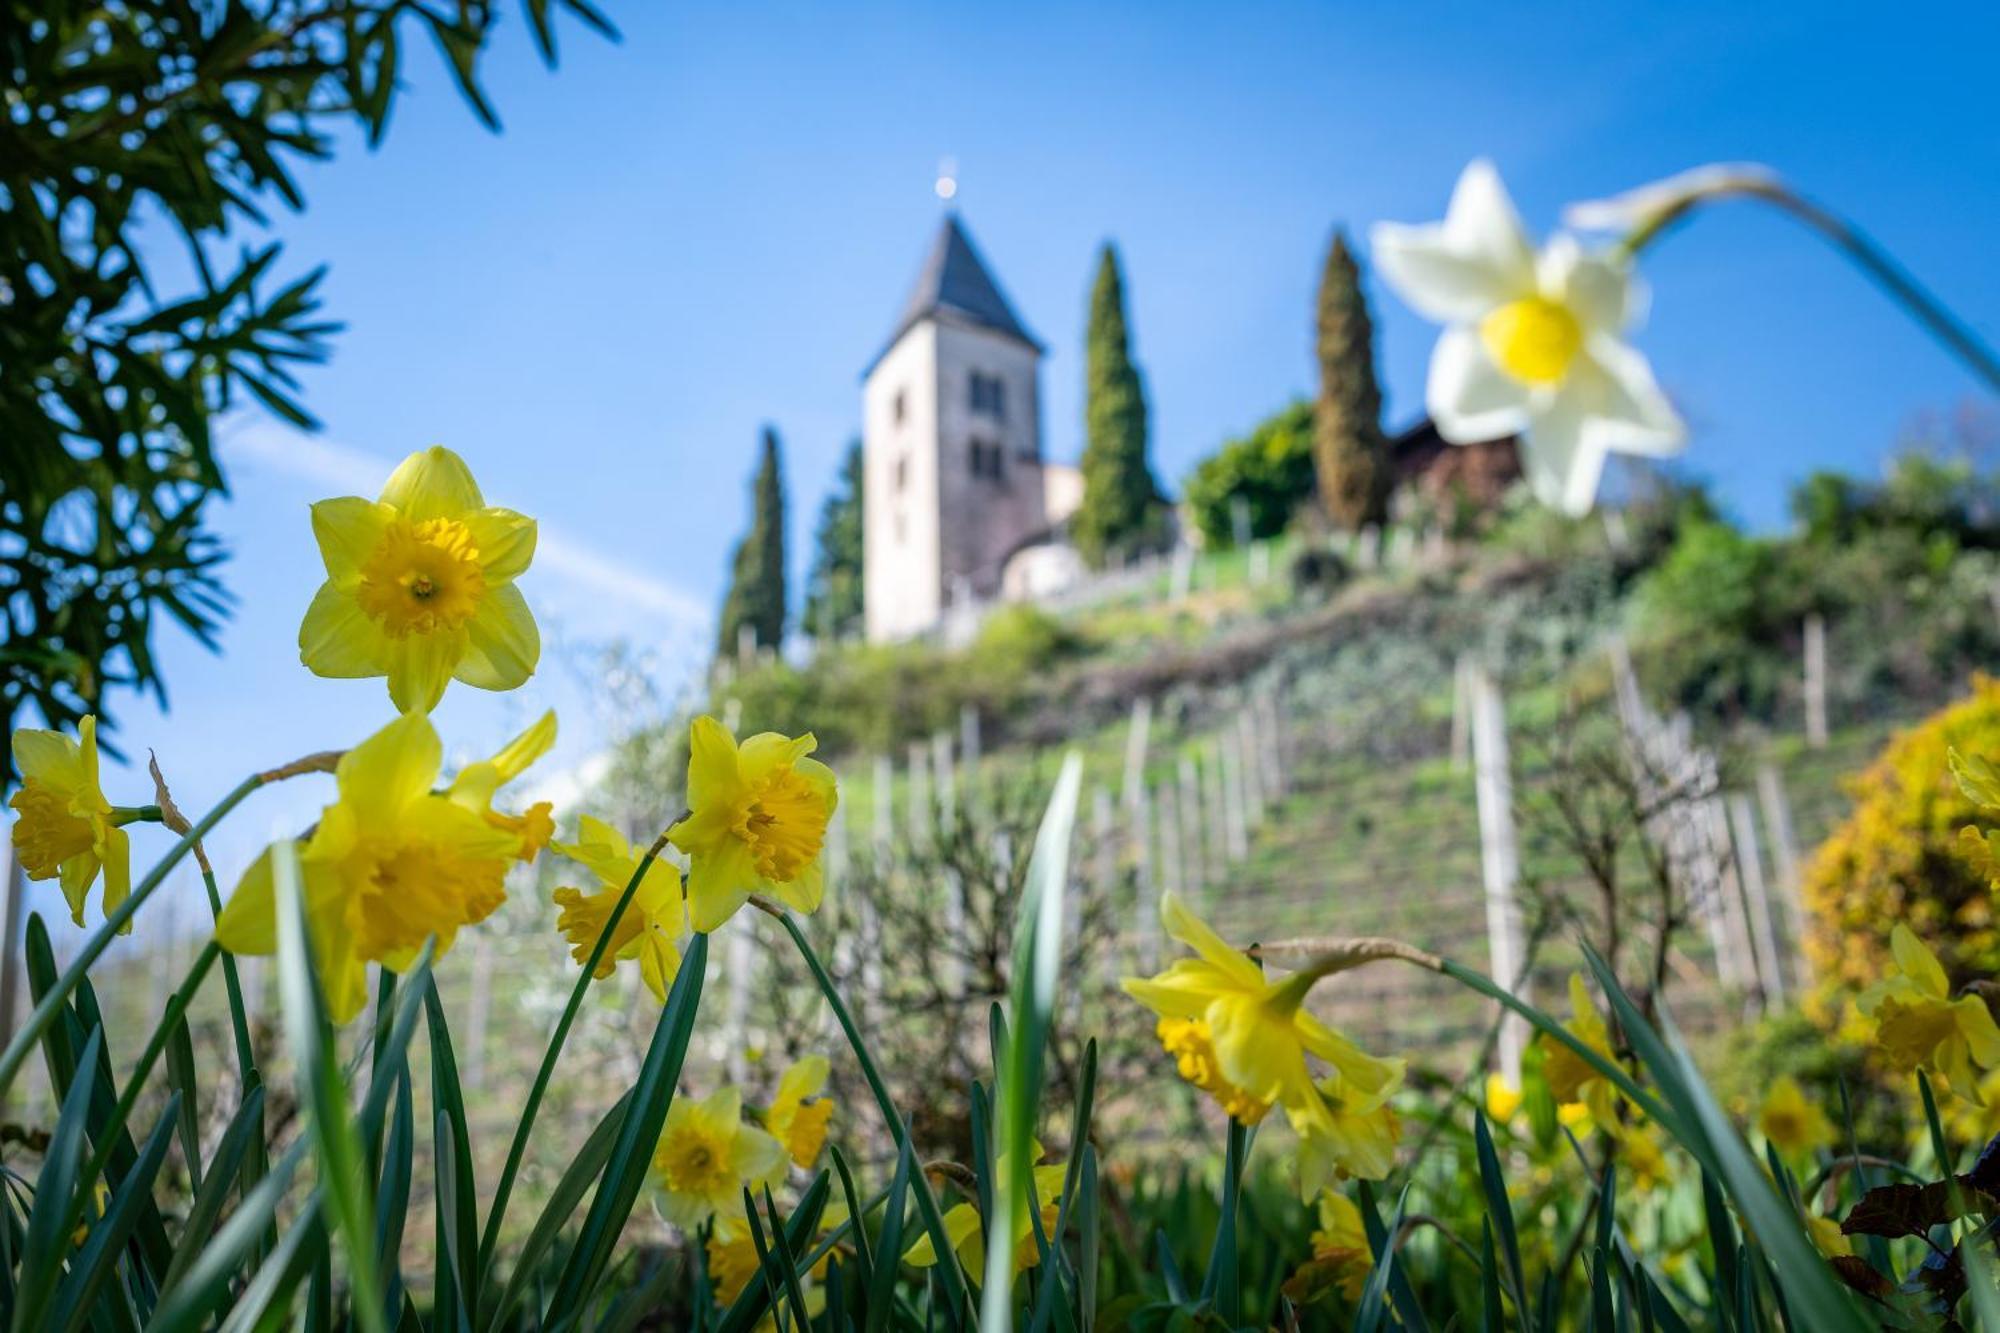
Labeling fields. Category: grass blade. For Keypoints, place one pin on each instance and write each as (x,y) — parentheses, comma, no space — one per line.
(47,1240)
(336,1144)
(104,1243)
(889,1245)
(1031,1003)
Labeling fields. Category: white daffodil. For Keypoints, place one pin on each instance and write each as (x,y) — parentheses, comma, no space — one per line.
(1532,342)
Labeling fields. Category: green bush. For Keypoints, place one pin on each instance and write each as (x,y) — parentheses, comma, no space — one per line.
(1270,470)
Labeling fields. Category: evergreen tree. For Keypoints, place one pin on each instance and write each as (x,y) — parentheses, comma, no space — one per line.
(833,590)
(1121,510)
(1350,453)
(757,578)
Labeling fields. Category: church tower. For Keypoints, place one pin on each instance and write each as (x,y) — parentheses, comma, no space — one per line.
(952,445)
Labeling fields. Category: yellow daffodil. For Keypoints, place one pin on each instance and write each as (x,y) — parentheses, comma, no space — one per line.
(1244,1040)
(1919,1026)
(1344,1135)
(1341,1257)
(707,1155)
(65,828)
(967,1233)
(733,1261)
(1793,1125)
(798,1114)
(1503,1099)
(651,926)
(732,1257)
(475,785)
(1571,1078)
(1642,1159)
(1532,344)
(420,586)
(757,816)
(390,864)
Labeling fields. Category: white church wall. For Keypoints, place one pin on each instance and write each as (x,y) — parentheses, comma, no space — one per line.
(903,592)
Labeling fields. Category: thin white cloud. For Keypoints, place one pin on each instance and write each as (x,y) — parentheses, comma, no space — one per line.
(344,469)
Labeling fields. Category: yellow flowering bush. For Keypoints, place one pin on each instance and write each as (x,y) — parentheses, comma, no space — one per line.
(1900,857)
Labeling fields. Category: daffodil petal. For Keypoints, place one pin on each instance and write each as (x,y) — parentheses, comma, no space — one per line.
(348,529)
(432,483)
(1456,271)
(503,644)
(49,757)
(1632,414)
(719,882)
(1469,397)
(338,640)
(1918,963)
(714,775)
(1191,930)
(395,766)
(420,666)
(248,924)
(506,541)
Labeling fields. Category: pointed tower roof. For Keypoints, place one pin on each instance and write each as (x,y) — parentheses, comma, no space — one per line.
(954,284)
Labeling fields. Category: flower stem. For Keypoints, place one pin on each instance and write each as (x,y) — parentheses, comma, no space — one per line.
(58,994)
(1876,263)
(489,1239)
(947,1266)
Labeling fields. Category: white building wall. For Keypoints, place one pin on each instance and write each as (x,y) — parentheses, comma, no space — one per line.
(902,588)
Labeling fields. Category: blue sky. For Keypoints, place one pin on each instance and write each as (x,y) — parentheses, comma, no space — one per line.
(710,226)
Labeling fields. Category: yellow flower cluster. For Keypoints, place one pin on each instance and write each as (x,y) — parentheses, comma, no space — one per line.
(1244,1039)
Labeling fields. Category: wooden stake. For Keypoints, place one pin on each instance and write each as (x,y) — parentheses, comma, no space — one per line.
(1750,874)
(1499,862)
(1816,681)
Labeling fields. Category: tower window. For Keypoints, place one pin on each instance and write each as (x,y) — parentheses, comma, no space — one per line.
(989,396)
(902,465)
(898,408)
(988,460)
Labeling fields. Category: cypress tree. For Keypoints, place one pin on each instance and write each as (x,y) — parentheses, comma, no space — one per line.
(757,578)
(1121,509)
(833,590)
(1350,453)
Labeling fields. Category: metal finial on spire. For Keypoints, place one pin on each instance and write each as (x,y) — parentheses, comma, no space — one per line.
(947,178)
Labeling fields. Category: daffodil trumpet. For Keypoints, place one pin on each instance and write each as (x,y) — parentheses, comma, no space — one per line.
(117,918)
(1650,211)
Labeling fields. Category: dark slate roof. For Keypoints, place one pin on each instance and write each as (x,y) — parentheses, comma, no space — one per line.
(954,283)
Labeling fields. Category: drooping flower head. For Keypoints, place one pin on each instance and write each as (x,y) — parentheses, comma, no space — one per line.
(757,817)
(420,586)
(1918,1025)
(1243,1039)
(66,830)
(1533,343)
(1572,1080)
(966,1231)
(390,864)
(476,785)
(1793,1125)
(1341,1257)
(648,931)
(798,1114)
(706,1156)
